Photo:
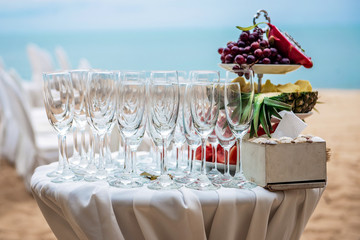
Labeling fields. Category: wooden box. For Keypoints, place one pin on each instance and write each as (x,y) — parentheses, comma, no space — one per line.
(286,165)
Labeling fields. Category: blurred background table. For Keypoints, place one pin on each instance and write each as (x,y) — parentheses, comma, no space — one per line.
(81,210)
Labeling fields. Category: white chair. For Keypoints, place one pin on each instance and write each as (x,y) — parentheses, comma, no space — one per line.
(84,64)
(40,62)
(62,58)
(10,133)
(21,145)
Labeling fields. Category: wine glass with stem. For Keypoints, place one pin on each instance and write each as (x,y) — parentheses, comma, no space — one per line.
(129,177)
(225,137)
(133,145)
(204,93)
(131,95)
(100,109)
(79,79)
(179,136)
(239,105)
(156,139)
(163,106)
(59,105)
(192,138)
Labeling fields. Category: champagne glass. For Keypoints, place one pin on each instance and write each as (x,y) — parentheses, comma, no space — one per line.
(163,101)
(157,141)
(204,94)
(131,94)
(134,143)
(192,138)
(59,105)
(239,104)
(100,108)
(179,135)
(226,139)
(79,79)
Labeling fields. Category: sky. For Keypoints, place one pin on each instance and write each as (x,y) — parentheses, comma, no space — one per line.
(178,34)
(69,15)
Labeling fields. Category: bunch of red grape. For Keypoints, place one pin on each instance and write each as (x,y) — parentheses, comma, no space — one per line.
(251,48)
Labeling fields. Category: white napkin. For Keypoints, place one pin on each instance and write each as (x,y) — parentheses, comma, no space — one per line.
(289,126)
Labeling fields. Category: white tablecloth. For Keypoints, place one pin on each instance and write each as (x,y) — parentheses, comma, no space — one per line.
(97,211)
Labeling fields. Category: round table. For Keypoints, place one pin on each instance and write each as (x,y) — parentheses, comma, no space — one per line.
(82,210)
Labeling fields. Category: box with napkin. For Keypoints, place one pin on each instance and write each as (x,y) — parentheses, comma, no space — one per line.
(287,160)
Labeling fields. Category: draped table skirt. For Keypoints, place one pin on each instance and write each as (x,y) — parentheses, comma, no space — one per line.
(81,210)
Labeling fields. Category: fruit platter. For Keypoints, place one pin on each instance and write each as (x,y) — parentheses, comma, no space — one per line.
(269,51)
(265,51)
(275,53)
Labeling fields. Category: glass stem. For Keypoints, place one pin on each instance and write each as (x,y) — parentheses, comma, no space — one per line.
(215,155)
(76,147)
(189,156)
(126,159)
(83,146)
(192,159)
(133,161)
(102,152)
(163,157)
(91,149)
(238,161)
(227,159)
(66,167)
(177,158)
(120,155)
(108,151)
(61,160)
(203,156)
(158,158)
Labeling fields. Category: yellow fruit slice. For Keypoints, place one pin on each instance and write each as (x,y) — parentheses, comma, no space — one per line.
(240,80)
(268,87)
(288,88)
(304,85)
(245,86)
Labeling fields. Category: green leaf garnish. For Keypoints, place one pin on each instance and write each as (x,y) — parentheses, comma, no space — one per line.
(251,27)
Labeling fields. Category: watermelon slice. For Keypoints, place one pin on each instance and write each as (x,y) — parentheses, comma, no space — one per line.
(288,47)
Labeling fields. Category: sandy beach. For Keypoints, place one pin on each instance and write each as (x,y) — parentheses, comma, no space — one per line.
(337,215)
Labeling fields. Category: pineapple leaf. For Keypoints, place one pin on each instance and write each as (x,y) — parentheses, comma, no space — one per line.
(247,112)
(274,112)
(268,117)
(315,109)
(263,120)
(277,104)
(259,99)
(252,130)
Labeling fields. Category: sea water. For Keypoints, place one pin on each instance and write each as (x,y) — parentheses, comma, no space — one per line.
(333,49)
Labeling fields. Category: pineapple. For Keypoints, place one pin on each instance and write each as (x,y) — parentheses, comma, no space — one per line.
(297,97)
(301,102)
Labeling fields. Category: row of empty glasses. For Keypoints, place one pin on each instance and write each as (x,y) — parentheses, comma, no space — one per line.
(168,105)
